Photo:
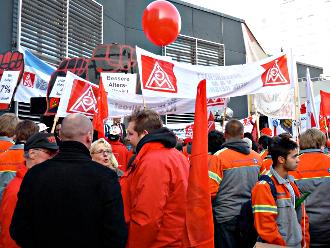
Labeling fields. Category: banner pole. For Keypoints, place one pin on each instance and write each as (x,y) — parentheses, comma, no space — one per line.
(223,119)
(296,94)
(54,123)
(144,102)
(257,124)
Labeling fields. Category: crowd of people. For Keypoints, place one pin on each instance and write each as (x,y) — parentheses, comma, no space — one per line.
(68,190)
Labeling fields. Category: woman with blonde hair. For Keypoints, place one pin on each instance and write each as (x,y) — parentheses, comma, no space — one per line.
(101,152)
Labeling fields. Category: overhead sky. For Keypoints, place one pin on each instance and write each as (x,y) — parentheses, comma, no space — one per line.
(302,25)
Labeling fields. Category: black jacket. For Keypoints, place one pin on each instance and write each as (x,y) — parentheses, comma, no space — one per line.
(69,201)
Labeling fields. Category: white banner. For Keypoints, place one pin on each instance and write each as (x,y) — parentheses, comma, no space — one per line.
(7,85)
(119,83)
(58,87)
(122,105)
(166,78)
(278,105)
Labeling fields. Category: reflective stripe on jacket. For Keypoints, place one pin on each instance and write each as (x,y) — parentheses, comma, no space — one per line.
(313,176)
(239,173)
(278,222)
(214,174)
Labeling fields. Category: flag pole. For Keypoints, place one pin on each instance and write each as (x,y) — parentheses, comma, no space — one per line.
(257,124)
(54,123)
(296,94)
(224,118)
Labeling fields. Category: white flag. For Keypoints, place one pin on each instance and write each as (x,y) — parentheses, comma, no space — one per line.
(310,102)
(35,79)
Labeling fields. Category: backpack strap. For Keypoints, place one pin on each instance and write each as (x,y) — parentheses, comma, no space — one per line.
(267,179)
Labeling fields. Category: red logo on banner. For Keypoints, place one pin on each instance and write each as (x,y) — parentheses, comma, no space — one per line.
(82,99)
(276,72)
(218,101)
(158,75)
(28,79)
(189,130)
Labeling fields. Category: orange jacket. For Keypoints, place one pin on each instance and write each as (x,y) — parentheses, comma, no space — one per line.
(7,207)
(313,175)
(5,143)
(154,193)
(214,172)
(9,162)
(278,222)
(266,164)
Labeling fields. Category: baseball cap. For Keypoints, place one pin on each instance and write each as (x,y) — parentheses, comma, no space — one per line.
(41,140)
(42,127)
(266,131)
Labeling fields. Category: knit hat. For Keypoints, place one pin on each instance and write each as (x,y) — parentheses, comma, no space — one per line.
(266,131)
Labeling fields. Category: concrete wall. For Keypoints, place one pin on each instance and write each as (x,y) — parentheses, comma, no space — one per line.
(6,25)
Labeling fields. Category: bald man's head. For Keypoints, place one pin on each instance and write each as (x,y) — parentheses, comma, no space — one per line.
(234,130)
(77,127)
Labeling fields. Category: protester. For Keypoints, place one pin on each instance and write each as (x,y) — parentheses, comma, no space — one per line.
(121,126)
(239,170)
(264,142)
(8,123)
(14,156)
(248,141)
(101,152)
(155,185)
(254,144)
(312,176)
(38,148)
(187,146)
(70,200)
(277,222)
(215,140)
(119,150)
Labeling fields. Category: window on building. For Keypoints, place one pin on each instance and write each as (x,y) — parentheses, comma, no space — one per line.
(56,29)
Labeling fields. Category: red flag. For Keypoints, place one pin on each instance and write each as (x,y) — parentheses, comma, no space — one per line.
(325,102)
(102,113)
(324,109)
(211,125)
(199,220)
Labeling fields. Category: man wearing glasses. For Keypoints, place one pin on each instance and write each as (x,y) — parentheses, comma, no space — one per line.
(38,148)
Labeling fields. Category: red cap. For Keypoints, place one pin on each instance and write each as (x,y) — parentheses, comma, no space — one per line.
(187,140)
(266,131)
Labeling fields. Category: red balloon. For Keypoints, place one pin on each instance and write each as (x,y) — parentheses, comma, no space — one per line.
(161,22)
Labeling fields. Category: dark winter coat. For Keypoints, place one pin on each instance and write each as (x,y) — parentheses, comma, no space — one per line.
(69,201)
